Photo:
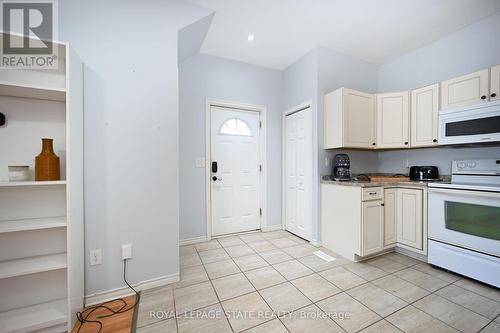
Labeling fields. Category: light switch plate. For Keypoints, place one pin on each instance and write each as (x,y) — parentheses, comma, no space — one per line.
(200,162)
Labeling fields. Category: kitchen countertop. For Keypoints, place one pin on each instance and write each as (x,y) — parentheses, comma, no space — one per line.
(395,182)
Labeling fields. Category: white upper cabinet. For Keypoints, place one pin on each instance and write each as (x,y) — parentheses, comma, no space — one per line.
(424,116)
(465,90)
(354,119)
(495,83)
(349,119)
(393,120)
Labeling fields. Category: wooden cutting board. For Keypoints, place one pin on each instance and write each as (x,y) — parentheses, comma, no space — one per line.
(389,179)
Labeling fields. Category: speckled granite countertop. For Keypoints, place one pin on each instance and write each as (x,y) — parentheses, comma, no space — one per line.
(360,183)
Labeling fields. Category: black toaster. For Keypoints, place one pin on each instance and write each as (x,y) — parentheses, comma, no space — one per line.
(424,173)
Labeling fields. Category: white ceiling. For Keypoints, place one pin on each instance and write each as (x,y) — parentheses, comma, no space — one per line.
(371,30)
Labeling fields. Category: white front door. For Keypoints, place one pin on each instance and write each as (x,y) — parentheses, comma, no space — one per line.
(298,171)
(235,170)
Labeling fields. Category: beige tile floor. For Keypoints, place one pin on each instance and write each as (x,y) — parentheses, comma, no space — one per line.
(271,283)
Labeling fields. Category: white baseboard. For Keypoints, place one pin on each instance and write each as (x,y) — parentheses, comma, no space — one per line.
(194,240)
(104,296)
(315,242)
(273,227)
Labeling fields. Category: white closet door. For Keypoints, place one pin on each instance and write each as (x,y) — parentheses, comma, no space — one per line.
(298,170)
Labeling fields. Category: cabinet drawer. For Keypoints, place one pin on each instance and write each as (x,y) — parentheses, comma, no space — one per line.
(373,193)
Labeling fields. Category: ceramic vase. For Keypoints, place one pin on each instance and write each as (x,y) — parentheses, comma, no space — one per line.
(47,163)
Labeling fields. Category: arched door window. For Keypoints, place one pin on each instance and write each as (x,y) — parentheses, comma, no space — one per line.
(235,126)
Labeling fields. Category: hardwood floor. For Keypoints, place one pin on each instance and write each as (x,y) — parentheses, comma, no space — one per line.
(118,323)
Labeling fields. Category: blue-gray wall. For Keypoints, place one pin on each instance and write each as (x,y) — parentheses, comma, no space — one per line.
(473,48)
(129,51)
(337,70)
(300,85)
(204,76)
(470,49)
(318,72)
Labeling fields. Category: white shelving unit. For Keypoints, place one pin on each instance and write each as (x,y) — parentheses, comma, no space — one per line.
(35,317)
(32,265)
(27,91)
(33,224)
(32,183)
(41,223)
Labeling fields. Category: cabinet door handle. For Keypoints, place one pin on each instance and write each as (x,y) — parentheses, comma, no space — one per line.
(483,97)
(435,140)
(372,193)
(406,142)
(494,95)
(373,144)
(382,204)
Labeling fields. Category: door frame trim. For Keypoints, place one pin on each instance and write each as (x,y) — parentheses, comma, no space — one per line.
(295,109)
(262,110)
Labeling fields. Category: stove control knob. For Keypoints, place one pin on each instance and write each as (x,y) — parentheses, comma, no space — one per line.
(461,165)
(471,164)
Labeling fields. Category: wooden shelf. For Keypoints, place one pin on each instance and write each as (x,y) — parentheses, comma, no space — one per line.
(35,317)
(27,91)
(32,265)
(32,183)
(32,224)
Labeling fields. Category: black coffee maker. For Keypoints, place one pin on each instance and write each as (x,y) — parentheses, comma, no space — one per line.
(341,167)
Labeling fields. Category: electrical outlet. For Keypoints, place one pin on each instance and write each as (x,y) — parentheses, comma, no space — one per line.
(95,257)
(126,251)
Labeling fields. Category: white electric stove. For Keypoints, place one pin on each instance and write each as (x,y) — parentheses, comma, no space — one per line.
(464,221)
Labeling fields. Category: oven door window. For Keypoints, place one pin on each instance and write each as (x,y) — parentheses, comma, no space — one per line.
(478,220)
(473,126)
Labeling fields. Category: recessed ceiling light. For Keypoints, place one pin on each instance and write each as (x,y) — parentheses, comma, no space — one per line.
(250,37)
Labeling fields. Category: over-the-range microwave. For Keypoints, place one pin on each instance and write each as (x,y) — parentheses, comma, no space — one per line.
(470,124)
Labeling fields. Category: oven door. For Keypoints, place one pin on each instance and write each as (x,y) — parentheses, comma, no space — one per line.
(468,219)
(474,124)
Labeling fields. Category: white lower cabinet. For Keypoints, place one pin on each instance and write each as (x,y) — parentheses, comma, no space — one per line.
(372,231)
(357,222)
(390,220)
(409,218)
